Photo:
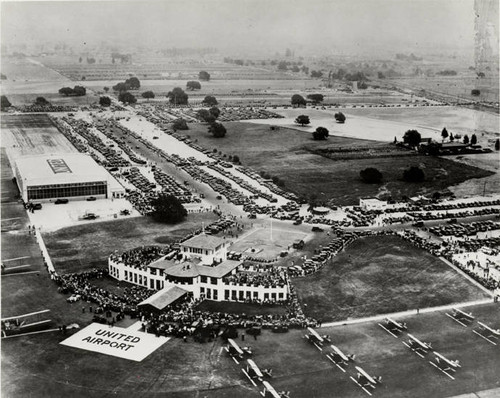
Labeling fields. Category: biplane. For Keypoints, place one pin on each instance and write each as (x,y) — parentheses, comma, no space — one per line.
(269,391)
(393,327)
(445,365)
(418,347)
(339,358)
(253,372)
(365,381)
(462,317)
(236,352)
(314,338)
(487,332)
(25,323)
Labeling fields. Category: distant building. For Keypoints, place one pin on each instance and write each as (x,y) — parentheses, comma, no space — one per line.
(372,204)
(71,176)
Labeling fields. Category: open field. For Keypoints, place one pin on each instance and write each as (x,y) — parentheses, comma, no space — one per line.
(31,135)
(456,120)
(54,98)
(458,86)
(286,153)
(377,275)
(266,243)
(84,247)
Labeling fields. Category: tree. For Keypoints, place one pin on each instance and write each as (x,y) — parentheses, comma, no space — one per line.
(127,98)
(79,91)
(414,174)
(217,130)
(210,101)
(295,69)
(497,144)
(193,85)
(214,111)
(371,175)
(180,124)
(205,116)
(381,75)
(168,209)
(121,87)
(444,133)
(473,139)
(80,60)
(41,101)
(412,138)
(203,75)
(316,73)
(302,120)
(177,96)
(106,89)
(66,91)
(340,117)
(4,103)
(104,101)
(133,83)
(452,138)
(282,65)
(321,133)
(298,100)
(236,159)
(316,97)
(466,139)
(148,94)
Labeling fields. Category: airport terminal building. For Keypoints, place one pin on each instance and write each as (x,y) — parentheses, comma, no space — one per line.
(202,270)
(71,176)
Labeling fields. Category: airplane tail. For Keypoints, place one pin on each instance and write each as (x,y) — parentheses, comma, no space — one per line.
(351,357)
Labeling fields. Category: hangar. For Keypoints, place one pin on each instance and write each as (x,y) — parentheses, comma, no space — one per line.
(65,175)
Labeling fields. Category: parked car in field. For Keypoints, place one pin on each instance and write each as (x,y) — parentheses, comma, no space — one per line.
(73,298)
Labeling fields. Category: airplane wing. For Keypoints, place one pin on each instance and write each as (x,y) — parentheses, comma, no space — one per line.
(339,353)
(255,368)
(365,375)
(270,389)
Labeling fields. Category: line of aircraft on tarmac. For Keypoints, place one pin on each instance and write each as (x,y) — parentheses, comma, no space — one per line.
(364,380)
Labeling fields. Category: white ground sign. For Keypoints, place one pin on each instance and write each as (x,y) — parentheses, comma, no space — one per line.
(115,341)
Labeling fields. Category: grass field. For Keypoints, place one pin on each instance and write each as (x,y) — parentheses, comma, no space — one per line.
(377,275)
(286,153)
(79,248)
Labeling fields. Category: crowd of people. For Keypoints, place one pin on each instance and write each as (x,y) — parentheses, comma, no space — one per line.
(254,275)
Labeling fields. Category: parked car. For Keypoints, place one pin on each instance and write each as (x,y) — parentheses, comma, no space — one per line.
(61,201)
(91,199)
(73,298)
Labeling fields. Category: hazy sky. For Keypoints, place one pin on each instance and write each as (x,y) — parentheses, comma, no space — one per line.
(400,25)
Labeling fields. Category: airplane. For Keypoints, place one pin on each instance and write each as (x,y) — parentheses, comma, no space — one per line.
(364,380)
(444,364)
(393,327)
(461,317)
(314,338)
(417,346)
(253,372)
(339,358)
(269,391)
(236,352)
(487,332)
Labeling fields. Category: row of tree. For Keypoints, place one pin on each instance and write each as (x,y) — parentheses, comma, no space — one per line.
(130,84)
(78,91)
(371,175)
